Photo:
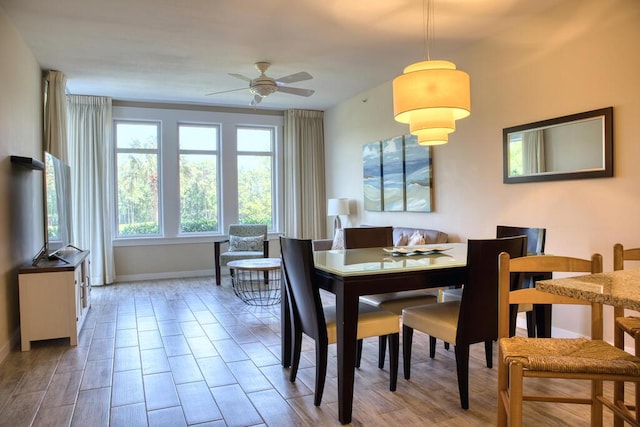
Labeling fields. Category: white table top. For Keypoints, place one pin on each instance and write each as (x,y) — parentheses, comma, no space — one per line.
(354,262)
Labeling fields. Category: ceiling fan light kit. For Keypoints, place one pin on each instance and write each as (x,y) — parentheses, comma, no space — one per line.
(263,85)
(431,95)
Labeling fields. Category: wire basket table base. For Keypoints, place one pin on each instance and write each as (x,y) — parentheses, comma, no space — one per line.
(257,281)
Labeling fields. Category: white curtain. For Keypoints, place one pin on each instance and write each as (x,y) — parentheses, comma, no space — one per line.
(304,175)
(533,152)
(91,153)
(55,115)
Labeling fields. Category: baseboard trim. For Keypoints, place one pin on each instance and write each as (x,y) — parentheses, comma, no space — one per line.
(164,275)
(14,340)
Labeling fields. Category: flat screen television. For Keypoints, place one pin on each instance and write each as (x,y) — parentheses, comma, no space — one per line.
(57,209)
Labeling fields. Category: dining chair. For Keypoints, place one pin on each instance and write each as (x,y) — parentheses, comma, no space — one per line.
(318,322)
(368,237)
(559,358)
(536,238)
(472,319)
(246,241)
(624,324)
(373,237)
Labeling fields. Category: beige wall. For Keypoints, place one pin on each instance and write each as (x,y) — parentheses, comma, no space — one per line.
(580,56)
(20,189)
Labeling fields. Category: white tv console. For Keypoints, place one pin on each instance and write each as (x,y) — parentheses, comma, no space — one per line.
(54,298)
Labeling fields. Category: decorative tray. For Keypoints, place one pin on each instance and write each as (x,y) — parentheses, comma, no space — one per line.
(413,250)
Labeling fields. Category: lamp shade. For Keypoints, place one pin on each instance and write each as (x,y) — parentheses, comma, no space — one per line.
(338,207)
(431,96)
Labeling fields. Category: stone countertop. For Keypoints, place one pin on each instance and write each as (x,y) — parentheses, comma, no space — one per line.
(616,288)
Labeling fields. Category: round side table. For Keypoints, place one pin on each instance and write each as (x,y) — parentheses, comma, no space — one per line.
(257,281)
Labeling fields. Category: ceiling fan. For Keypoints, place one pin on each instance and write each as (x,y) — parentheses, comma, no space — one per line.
(263,85)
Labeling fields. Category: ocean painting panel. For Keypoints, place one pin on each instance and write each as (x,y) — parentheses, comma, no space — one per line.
(418,175)
(372,176)
(393,175)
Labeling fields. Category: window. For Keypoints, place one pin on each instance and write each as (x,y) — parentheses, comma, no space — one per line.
(138,180)
(255,150)
(198,150)
(184,175)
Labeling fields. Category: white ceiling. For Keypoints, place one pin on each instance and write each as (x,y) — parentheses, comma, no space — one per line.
(180,50)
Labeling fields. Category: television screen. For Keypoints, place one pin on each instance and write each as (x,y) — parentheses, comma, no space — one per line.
(57,202)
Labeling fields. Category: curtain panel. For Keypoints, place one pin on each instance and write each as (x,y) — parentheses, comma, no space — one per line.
(304,175)
(55,115)
(90,156)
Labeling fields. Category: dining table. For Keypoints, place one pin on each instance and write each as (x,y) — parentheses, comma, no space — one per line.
(616,288)
(352,273)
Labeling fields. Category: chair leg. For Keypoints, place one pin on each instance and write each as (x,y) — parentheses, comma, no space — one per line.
(503,388)
(432,347)
(488,353)
(218,278)
(407,338)
(618,386)
(296,348)
(321,372)
(358,353)
(382,349)
(515,395)
(394,350)
(462,366)
(531,324)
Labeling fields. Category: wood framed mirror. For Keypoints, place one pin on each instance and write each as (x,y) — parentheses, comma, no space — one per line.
(576,146)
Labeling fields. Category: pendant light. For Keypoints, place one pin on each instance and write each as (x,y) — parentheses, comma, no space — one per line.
(431,95)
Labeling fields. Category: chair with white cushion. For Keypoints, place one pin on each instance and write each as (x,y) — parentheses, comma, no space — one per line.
(246,241)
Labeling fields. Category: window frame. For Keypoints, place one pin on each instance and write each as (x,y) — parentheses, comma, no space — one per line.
(159,170)
(216,153)
(169,115)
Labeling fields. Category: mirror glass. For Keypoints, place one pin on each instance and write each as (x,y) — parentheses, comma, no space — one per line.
(570,147)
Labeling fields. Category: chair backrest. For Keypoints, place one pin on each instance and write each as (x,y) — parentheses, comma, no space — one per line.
(543,263)
(246,230)
(478,316)
(535,236)
(303,292)
(368,237)
(620,255)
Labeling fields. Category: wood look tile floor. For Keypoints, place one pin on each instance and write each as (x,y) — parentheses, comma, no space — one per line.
(186,352)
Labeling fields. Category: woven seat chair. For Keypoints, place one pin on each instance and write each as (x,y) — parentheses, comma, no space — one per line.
(624,324)
(318,322)
(592,360)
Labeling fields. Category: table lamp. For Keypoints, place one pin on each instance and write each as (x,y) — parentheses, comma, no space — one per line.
(337,207)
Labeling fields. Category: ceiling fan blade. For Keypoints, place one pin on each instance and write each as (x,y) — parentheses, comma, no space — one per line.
(240,76)
(256,100)
(224,91)
(292,78)
(295,91)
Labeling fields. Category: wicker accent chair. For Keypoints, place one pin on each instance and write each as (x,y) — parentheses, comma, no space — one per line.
(246,241)
(624,324)
(473,319)
(592,360)
(319,323)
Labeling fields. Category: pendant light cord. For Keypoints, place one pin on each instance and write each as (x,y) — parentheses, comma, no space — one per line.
(427,27)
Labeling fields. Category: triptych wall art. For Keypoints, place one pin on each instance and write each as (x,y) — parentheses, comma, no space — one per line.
(397,175)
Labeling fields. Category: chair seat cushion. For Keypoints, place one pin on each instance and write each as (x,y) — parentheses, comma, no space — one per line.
(226,257)
(569,355)
(629,324)
(395,302)
(372,322)
(436,320)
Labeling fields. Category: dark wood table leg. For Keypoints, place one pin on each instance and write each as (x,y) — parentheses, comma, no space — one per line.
(285,326)
(346,320)
(543,312)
